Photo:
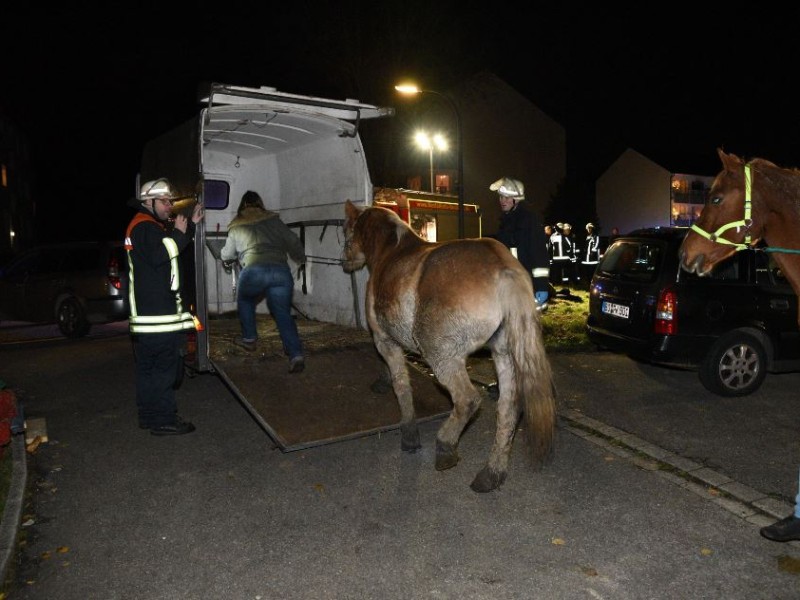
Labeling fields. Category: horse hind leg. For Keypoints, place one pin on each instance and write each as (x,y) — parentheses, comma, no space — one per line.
(493,474)
(401,383)
(466,401)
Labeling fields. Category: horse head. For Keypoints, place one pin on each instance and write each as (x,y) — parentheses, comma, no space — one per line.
(725,224)
(367,231)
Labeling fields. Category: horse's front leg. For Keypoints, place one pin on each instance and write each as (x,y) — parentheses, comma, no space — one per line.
(395,359)
(383,383)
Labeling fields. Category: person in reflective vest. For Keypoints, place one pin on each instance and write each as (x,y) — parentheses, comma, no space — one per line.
(565,257)
(158,320)
(590,255)
(523,233)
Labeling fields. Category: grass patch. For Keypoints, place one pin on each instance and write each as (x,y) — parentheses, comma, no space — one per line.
(564,323)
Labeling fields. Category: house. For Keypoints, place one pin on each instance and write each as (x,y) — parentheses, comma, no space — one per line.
(635,192)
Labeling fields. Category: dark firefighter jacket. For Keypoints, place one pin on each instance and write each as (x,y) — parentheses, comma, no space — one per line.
(520,229)
(155,276)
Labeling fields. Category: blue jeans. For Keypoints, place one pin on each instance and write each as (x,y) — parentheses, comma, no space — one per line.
(273,282)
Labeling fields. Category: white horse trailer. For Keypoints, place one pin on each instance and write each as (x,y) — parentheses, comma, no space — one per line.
(303,155)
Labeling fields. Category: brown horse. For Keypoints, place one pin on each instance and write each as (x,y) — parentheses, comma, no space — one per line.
(748,202)
(444,301)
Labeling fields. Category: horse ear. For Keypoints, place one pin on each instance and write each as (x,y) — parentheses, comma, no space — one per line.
(729,161)
(350,210)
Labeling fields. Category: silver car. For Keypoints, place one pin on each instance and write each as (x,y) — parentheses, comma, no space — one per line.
(73,284)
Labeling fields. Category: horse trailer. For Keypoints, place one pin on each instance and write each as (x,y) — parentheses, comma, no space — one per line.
(303,155)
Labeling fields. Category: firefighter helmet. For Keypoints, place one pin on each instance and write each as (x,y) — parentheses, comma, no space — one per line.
(510,188)
(157,189)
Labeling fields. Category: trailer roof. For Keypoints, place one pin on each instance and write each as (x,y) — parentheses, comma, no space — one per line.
(348,109)
(246,122)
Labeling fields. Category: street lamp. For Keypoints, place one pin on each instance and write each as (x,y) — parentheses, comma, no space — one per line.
(428,143)
(411,89)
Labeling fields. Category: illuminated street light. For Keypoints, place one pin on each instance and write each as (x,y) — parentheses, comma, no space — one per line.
(411,89)
(428,143)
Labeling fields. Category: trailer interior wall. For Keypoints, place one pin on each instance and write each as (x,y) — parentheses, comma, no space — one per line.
(307,184)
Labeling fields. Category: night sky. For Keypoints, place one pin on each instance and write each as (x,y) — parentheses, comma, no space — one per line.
(88,89)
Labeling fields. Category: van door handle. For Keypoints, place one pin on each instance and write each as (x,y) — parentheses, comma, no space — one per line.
(779,304)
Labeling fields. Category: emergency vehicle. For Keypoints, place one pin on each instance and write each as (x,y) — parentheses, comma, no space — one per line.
(433,216)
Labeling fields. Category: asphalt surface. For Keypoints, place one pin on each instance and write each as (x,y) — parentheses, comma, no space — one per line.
(656,490)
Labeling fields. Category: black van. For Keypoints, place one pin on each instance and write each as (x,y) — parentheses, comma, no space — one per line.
(73,284)
(732,326)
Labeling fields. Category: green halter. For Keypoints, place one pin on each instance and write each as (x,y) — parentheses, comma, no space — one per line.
(746,222)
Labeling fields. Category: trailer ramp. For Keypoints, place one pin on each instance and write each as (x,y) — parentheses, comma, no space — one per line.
(331,400)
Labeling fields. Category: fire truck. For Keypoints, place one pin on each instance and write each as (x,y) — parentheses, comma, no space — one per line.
(433,216)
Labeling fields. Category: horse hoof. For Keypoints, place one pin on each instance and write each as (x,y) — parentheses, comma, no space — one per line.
(409,440)
(446,456)
(487,480)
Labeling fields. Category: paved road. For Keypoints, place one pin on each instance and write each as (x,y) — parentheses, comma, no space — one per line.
(221,513)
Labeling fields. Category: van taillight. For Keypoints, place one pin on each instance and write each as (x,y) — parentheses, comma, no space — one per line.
(113,273)
(666,322)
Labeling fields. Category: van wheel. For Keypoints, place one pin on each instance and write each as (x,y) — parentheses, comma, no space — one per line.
(736,365)
(72,321)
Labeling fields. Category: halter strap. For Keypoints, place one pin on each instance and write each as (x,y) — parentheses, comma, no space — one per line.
(746,222)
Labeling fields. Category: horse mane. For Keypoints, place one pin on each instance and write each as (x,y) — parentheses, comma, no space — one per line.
(785,181)
(379,226)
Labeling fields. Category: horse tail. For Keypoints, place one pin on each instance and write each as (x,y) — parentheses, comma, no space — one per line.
(534,389)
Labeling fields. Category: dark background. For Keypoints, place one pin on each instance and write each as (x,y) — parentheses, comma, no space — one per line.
(88,87)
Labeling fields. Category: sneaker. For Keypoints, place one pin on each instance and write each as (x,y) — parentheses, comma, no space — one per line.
(785,530)
(297,364)
(180,427)
(248,345)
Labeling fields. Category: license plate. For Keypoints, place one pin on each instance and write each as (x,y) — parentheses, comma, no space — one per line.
(616,310)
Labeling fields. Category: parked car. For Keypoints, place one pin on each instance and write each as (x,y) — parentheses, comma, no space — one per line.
(733,326)
(72,284)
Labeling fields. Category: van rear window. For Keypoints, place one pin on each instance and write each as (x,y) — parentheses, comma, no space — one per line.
(632,260)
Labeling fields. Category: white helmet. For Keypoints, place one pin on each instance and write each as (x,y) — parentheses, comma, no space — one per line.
(157,189)
(510,188)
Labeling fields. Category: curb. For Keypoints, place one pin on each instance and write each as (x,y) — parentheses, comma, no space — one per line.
(12,514)
(745,502)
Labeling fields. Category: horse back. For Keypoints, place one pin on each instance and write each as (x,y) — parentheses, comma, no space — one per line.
(419,291)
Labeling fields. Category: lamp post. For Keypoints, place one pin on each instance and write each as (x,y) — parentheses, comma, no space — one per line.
(428,143)
(411,89)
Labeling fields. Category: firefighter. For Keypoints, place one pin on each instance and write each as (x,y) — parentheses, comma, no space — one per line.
(522,232)
(590,255)
(158,320)
(563,250)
